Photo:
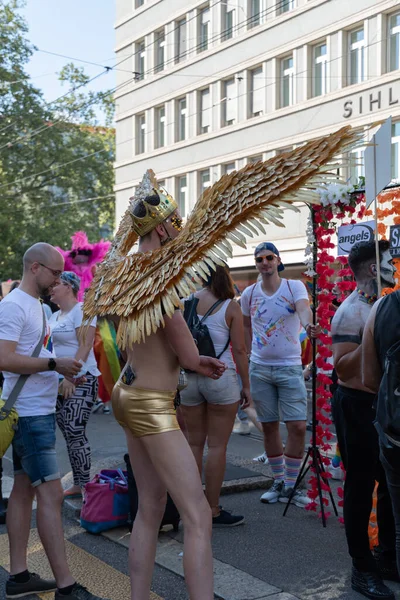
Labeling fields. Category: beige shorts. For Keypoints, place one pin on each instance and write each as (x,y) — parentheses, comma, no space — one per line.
(224,390)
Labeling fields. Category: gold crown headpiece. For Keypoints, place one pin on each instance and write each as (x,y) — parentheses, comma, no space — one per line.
(150,205)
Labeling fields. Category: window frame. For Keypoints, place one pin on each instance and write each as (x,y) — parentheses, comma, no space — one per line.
(290,75)
(160,126)
(252,112)
(228,102)
(181,114)
(358,47)
(179,55)
(390,35)
(141,133)
(201,96)
(140,59)
(323,61)
(159,50)
(203,42)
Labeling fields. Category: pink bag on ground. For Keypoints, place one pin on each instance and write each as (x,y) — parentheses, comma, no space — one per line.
(106,501)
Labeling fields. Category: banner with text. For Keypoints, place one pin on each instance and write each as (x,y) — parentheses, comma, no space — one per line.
(348,235)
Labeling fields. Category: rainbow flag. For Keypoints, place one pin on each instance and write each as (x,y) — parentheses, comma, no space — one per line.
(106,352)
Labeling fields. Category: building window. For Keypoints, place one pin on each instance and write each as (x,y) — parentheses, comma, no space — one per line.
(357,56)
(203,28)
(181,113)
(254,159)
(396,151)
(159,51)
(284,6)
(141,134)
(228,103)
(181,36)
(228,168)
(204,180)
(394,42)
(228,18)
(140,55)
(160,127)
(254,11)
(139,3)
(256,92)
(182,195)
(320,70)
(205,111)
(287,81)
(356,167)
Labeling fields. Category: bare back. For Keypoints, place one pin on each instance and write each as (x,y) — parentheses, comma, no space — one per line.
(155,364)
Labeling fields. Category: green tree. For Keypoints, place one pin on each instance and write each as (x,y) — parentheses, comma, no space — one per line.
(51,156)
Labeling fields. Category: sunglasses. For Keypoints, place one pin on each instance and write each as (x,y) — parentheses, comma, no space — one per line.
(55,273)
(269,258)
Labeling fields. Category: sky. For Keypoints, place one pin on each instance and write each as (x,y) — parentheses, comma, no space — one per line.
(81,29)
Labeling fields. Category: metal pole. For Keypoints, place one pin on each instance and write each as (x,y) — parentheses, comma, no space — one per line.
(378,258)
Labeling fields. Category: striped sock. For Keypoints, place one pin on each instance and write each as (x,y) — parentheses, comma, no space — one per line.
(292,468)
(276,464)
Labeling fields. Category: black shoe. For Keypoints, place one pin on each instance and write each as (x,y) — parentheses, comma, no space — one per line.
(226,519)
(35,585)
(78,593)
(370,584)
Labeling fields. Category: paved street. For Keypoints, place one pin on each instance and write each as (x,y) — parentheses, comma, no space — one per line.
(269,557)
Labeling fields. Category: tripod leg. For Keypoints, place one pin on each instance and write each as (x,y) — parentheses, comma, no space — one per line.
(318,476)
(323,470)
(302,473)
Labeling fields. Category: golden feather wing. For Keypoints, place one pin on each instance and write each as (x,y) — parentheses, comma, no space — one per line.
(140,288)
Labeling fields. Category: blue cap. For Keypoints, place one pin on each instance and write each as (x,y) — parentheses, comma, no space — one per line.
(70,278)
(272,248)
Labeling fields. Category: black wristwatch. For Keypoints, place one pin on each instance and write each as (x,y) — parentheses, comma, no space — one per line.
(52,364)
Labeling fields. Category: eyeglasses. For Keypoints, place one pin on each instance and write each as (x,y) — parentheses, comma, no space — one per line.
(269,258)
(55,273)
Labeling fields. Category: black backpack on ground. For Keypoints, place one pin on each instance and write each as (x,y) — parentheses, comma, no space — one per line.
(199,329)
(387,340)
(171,515)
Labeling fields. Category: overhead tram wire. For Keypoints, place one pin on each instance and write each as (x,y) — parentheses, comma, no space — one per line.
(239,26)
(77,87)
(210,40)
(276,79)
(33,133)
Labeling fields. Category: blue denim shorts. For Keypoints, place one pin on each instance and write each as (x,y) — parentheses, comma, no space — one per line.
(278,393)
(34,449)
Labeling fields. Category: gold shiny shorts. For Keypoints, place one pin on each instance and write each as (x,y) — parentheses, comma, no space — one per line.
(144,412)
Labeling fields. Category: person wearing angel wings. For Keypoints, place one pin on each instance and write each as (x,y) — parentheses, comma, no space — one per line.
(145,290)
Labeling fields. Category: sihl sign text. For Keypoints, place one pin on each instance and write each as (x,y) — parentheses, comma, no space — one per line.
(370,103)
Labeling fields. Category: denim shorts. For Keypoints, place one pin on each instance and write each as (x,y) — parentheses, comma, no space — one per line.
(34,451)
(278,393)
(224,390)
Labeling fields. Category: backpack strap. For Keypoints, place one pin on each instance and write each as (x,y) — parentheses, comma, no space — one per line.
(226,347)
(210,310)
(12,398)
(251,295)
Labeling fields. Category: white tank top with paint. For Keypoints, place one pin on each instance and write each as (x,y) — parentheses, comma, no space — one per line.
(219,332)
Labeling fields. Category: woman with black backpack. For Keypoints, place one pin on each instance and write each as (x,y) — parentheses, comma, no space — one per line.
(209,407)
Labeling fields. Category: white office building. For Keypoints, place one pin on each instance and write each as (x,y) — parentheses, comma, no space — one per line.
(206,87)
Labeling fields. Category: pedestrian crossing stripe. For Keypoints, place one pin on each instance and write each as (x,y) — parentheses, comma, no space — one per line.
(99,577)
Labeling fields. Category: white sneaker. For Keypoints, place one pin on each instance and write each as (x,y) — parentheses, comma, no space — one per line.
(263,458)
(273,494)
(106,410)
(299,499)
(336,472)
(242,428)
